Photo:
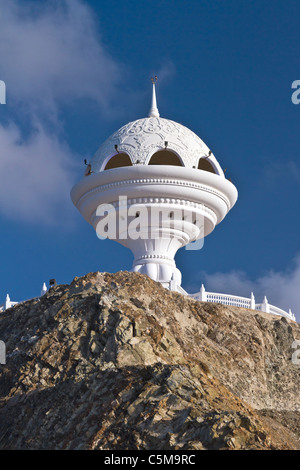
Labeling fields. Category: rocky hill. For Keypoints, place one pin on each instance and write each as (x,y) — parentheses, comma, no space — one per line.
(115,361)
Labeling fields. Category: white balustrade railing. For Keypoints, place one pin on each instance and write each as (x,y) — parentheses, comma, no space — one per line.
(202,295)
(229,300)
(9,304)
(243,302)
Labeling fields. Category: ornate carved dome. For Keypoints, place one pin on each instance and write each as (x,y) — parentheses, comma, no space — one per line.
(140,140)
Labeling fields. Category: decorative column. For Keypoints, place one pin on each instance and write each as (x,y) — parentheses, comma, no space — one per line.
(7,303)
(173,283)
(44,289)
(292,315)
(252,301)
(203,295)
(265,307)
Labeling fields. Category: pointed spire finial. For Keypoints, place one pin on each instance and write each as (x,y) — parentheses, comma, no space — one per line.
(154,110)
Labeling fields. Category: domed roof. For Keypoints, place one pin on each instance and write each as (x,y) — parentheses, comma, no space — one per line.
(142,138)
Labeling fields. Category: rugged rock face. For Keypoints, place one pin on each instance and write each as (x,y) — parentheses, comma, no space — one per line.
(118,362)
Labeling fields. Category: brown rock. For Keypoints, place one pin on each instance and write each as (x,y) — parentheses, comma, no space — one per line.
(115,361)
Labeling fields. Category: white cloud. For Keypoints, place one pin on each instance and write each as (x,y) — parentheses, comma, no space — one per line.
(52,52)
(51,55)
(35,177)
(282,288)
(274,171)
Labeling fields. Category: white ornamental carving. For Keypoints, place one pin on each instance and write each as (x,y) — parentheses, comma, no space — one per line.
(142,138)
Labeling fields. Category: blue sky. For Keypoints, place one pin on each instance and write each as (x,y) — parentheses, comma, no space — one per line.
(76,71)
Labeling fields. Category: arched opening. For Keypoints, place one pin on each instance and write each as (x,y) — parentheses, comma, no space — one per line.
(165,157)
(205,165)
(118,160)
